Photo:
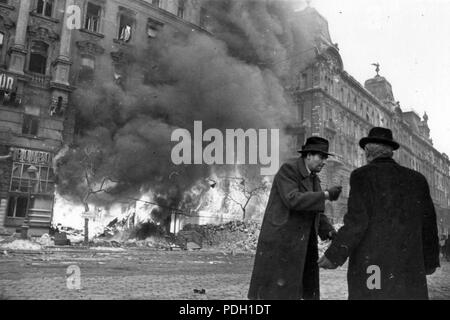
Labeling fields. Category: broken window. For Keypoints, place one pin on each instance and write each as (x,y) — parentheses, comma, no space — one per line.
(38,57)
(17,206)
(45,7)
(87,68)
(125,28)
(57,107)
(156,3)
(92,17)
(30,125)
(39,180)
(181,8)
(153,27)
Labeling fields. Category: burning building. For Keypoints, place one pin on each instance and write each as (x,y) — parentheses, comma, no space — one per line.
(91,91)
(42,61)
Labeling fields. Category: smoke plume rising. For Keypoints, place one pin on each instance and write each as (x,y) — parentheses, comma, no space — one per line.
(234,79)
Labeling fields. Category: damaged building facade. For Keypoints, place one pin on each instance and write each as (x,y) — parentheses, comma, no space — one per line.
(41,62)
(332,104)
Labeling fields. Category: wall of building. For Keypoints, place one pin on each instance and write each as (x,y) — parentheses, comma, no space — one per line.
(44,96)
(348,110)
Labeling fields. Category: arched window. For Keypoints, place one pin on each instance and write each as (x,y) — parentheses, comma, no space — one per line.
(45,7)
(38,57)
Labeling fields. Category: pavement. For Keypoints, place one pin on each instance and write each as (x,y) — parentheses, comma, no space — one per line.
(143,273)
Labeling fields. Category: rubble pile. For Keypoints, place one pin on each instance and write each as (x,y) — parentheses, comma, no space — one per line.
(119,233)
(231,236)
(21,245)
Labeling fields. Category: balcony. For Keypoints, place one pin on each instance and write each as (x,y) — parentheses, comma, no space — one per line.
(39,80)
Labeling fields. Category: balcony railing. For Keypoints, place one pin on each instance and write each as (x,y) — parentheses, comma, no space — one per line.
(39,80)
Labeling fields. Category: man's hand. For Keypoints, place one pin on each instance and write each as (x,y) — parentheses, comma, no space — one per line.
(325,263)
(334,192)
(332,234)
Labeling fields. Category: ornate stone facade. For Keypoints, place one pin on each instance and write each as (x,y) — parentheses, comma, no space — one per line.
(43,59)
(331,103)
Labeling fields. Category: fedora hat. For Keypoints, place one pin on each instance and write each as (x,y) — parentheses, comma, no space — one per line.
(316,144)
(380,135)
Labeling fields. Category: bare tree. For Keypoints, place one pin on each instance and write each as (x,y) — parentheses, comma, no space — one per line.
(247,192)
(89,160)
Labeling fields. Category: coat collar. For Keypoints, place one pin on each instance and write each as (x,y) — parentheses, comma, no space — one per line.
(383,159)
(304,175)
(302,168)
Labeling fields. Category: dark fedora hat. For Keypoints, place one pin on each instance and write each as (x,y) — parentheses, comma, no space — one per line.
(379,135)
(316,144)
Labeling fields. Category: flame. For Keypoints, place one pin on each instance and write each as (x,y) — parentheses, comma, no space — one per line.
(70,215)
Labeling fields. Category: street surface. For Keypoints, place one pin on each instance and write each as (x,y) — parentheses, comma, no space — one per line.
(137,273)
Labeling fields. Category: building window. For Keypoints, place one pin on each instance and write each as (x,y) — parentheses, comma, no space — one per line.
(156,3)
(17,206)
(40,181)
(125,27)
(181,8)
(153,27)
(203,17)
(38,57)
(57,108)
(93,17)
(87,68)
(45,7)
(30,125)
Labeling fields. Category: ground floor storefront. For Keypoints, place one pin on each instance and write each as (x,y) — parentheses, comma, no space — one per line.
(27,186)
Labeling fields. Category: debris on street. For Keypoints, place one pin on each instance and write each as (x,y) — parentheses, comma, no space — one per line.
(45,240)
(21,245)
(232,236)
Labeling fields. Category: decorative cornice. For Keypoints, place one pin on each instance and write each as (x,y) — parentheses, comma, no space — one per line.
(89,47)
(40,32)
(62,61)
(7,22)
(40,16)
(92,33)
(61,86)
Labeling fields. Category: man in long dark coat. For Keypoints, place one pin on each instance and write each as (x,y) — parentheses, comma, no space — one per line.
(286,257)
(390,231)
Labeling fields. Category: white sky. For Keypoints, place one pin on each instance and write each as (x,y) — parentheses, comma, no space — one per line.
(411,41)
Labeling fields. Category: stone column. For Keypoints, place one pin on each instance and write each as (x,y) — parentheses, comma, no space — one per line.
(63,62)
(18,50)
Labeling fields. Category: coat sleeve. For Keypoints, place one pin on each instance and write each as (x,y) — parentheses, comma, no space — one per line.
(325,227)
(430,239)
(292,197)
(356,222)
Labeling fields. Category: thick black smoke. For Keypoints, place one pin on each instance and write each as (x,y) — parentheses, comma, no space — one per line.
(232,80)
